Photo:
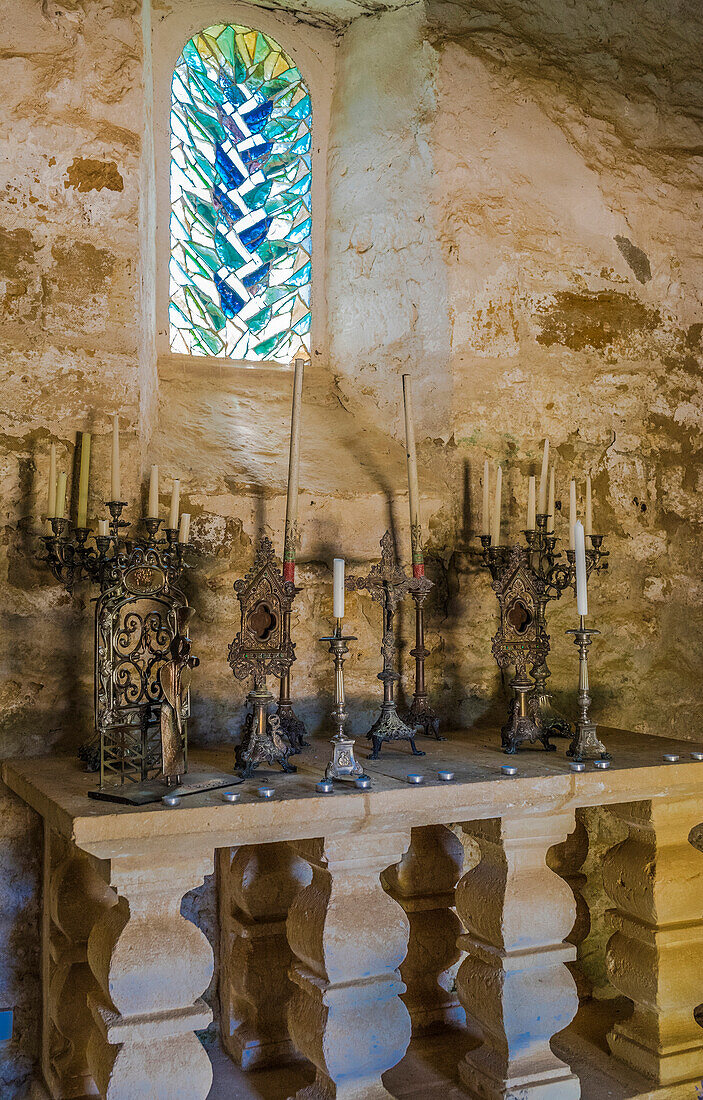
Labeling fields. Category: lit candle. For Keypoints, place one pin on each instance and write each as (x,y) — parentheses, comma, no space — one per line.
(82,518)
(543,479)
(588,525)
(581,576)
(290,540)
(175,501)
(550,504)
(486,515)
(61,496)
(572,513)
(184,531)
(115,487)
(495,531)
(51,503)
(338,589)
(531,523)
(103,528)
(153,509)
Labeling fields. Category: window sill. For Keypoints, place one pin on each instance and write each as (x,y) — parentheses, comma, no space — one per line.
(175,365)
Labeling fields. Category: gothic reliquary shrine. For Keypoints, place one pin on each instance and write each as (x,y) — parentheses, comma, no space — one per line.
(350,455)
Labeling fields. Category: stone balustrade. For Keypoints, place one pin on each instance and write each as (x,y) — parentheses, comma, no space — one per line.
(343,919)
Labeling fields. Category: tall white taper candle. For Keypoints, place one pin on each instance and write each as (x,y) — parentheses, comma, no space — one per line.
(175,503)
(486,513)
(61,496)
(543,479)
(115,484)
(338,590)
(495,529)
(82,516)
(153,509)
(184,531)
(531,522)
(572,513)
(51,502)
(581,576)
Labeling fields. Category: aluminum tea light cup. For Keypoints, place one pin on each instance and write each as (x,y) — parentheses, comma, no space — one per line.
(577,766)
(325,786)
(171,800)
(697,756)
(509,769)
(445,776)
(266,792)
(230,796)
(602,765)
(671,757)
(362,782)
(415,779)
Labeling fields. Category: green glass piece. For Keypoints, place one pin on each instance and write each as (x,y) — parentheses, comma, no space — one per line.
(301,276)
(262,49)
(225,40)
(259,320)
(265,348)
(258,195)
(229,255)
(302,326)
(302,108)
(272,251)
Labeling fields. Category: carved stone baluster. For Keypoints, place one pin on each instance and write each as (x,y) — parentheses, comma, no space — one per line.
(75,896)
(423,883)
(151,966)
(349,938)
(513,982)
(257,884)
(566,860)
(655,957)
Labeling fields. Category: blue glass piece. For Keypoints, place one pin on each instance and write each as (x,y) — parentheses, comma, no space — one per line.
(223,202)
(256,153)
(228,170)
(257,119)
(253,235)
(255,278)
(300,232)
(234,94)
(229,299)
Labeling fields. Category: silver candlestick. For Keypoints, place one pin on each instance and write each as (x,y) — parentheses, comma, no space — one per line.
(343,765)
(585,744)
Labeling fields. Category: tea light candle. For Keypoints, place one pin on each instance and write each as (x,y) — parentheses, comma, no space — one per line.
(602,765)
(266,792)
(415,779)
(697,756)
(171,800)
(363,782)
(671,757)
(325,786)
(230,796)
(338,588)
(509,769)
(577,766)
(445,777)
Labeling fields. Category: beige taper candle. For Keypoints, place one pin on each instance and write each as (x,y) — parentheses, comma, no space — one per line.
(543,479)
(588,525)
(82,516)
(572,514)
(411,453)
(290,538)
(115,486)
(61,496)
(51,502)
(495,529)
(550,503)
(486,515)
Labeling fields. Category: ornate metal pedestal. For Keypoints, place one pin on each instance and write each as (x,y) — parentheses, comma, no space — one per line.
(555,576)
(518,642)
(142,657)
(388,584)
(585,745)
(263,646)
(343,765)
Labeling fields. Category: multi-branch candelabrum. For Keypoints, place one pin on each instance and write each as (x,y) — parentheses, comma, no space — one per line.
(343,765)
(71,557)
(555,575)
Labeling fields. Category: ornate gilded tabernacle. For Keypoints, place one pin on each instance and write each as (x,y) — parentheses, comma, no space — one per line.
(520,641)
(263,647)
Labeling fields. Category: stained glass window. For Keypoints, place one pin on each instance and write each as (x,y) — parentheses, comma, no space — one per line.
(241,219)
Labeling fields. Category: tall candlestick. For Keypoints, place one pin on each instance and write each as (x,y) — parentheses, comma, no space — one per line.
(543,479)
(495,530)
(175,501)
(51,502)
(290,541)
(153,509)
(486,514)
(61,496)
(588,525)
(82,517)
(572,513)
(115,486)
(581,578)
(550,504)
(184,531)
(531,522)
(338,591)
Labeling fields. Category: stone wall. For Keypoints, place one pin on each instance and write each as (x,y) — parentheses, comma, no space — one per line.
(513,207)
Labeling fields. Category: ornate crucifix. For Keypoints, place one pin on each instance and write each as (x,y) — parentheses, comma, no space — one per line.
(387,584)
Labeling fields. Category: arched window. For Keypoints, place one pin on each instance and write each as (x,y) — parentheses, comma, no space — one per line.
(240,225)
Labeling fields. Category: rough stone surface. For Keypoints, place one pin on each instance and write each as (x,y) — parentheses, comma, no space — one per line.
(513,215)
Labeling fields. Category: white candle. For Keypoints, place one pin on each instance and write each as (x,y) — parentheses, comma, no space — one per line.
(290,539)
(550,503)
(51,502)
(543,479)
(411,453)
(153,509)
(82,517)
(184,531)
(103,528)
(61,496)
(495,530)
(175,502)
(572,513)
(486,514)
(588,525)
(531,522)
(338,589)
(581,577)
(115,486)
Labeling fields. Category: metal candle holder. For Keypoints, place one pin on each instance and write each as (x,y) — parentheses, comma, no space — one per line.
(343,765)
(421,714)
(554,575)
(142,655)
(585,744)
(291,726)
(387,584)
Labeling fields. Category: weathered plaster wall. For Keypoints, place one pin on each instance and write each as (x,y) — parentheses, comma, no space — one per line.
(513,210)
